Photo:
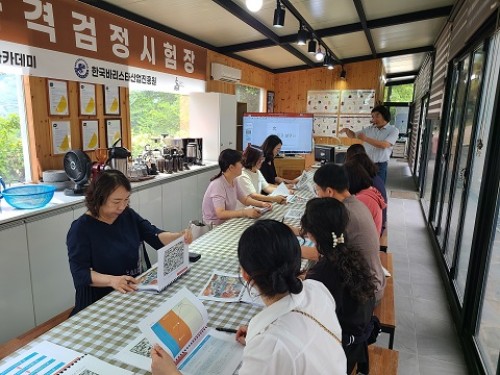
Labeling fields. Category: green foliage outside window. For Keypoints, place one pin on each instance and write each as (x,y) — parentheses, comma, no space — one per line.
(399,93)
(249,95)
(151,115)
(11,149)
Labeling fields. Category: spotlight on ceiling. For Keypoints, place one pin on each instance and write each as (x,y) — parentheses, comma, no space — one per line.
(330,64)
(319,54)
(254,5)
(302,36)
(279,15)
(311,47)
(343,73)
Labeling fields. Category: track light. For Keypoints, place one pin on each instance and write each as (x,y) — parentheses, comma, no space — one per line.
(302,36)
(254,5)
(279,15)
(319,54)
(343,73)
(311,47)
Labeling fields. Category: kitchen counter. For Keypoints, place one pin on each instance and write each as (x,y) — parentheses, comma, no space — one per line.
(60,201)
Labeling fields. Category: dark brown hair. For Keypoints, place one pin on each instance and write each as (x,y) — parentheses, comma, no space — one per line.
(365,161)
(227,158)
(102,187)
(269,144)
(359,179)
(251,156)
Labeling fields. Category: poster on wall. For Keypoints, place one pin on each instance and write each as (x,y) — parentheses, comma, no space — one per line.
(325,125)
(270,101)
(324,101)
(87,99)
(113,133)
(58,98)
(111,100)
(354,123)
(357,101)
(61,137)
(90,135)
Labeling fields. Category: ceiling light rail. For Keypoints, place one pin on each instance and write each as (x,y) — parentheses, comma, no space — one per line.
(322,51)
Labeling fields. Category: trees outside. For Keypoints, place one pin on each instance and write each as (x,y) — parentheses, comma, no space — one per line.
(11,149)
(151,115)
(399,93)
(249,95)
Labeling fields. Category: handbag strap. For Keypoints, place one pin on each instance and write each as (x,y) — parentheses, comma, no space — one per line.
(320,324)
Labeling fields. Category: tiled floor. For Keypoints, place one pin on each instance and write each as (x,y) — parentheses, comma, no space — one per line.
(425,334)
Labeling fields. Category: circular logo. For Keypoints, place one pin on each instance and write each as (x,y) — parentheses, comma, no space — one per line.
(81,68)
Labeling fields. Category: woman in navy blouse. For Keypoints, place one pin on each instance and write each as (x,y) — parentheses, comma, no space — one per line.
(104,243)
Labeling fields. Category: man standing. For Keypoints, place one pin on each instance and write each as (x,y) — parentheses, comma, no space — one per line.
(379,138)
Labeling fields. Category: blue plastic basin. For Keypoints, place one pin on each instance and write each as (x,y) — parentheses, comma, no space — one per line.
(28,196)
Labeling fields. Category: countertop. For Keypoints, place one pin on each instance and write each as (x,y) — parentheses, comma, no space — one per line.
(60,201)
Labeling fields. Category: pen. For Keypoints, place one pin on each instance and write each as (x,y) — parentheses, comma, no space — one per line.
(229,330)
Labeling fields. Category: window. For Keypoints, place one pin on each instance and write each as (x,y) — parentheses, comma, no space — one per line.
(399,93)
(14,159)
(153,114)
(250,95)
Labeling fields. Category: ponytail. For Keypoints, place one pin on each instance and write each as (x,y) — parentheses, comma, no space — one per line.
(227,158)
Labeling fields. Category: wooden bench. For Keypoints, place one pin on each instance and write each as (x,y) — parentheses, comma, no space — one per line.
(383,361)
(385,310)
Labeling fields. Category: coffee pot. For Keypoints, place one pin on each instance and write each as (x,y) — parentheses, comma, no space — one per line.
(118,159)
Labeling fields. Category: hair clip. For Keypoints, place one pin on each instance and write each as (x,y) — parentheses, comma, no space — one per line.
(337,240)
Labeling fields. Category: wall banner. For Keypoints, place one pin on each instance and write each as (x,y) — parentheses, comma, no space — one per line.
(22,59)
(80,29)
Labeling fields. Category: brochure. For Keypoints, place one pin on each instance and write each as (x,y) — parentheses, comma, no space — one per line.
(227,287)
(281,190)
(179,326)
(173,262)
(48,358)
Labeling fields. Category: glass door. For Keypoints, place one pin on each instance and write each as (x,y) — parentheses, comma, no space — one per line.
(454,135)
(421,134)
(464,161)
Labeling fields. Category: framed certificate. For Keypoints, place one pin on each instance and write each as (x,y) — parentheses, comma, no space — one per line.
(111,100)
(90,135)
(58,98)
(113,133)
(87,99)
(61,137)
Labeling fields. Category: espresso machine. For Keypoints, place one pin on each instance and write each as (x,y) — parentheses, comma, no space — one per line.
(192,148)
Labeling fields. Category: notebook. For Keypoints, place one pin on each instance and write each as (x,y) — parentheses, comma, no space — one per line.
(173,262)
(179,325)
(48,358)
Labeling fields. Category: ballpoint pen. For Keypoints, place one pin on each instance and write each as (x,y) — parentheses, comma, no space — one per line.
(229,330)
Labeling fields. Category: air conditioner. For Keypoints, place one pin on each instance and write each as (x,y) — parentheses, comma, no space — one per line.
(225,73)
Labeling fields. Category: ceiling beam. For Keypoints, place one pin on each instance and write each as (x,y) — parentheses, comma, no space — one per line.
(362,18)
(243,15)
(401,74)
(304,22)
(403,82)
(351,28)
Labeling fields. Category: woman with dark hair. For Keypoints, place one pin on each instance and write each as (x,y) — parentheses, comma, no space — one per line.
(360,185)
(354,149)
(297,332)
(346,275)
(251,180)
(104,244)
(223,193)
(365,161)
(271,148)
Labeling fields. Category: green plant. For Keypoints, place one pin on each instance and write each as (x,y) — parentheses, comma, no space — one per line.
(11,149)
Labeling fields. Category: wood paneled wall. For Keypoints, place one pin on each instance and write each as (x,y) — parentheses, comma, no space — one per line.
(39,123)
(291,88)
(250,75)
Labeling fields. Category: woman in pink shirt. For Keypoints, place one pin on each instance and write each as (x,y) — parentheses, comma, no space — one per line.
(360,185)
(223,193)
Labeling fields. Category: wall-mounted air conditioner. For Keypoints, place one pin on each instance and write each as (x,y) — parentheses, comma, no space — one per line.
(225,73)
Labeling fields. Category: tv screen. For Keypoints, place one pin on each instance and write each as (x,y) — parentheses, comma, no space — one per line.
(294,129)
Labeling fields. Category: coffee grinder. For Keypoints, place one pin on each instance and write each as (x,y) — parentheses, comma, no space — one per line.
(192,150)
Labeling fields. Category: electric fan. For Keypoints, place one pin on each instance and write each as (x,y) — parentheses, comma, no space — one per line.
(77,166)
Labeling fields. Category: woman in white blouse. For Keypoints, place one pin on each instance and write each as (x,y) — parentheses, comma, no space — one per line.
(251,180)
(297,332)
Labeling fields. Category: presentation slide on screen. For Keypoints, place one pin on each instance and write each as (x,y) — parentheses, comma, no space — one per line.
(295,132)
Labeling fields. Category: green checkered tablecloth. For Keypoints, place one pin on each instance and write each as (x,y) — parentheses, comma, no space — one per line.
(108,325)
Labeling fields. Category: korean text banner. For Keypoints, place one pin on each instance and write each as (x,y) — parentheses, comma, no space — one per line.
(79,29)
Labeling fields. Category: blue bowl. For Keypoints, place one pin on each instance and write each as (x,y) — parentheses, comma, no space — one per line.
(28,196)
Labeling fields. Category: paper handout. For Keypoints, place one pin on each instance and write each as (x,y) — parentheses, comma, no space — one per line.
(179,326)
(173,262)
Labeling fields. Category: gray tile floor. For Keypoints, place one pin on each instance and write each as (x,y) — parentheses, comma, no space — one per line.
(425,334)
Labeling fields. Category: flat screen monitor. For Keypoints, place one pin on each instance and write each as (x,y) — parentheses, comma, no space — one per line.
(294,129)
(324,154)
